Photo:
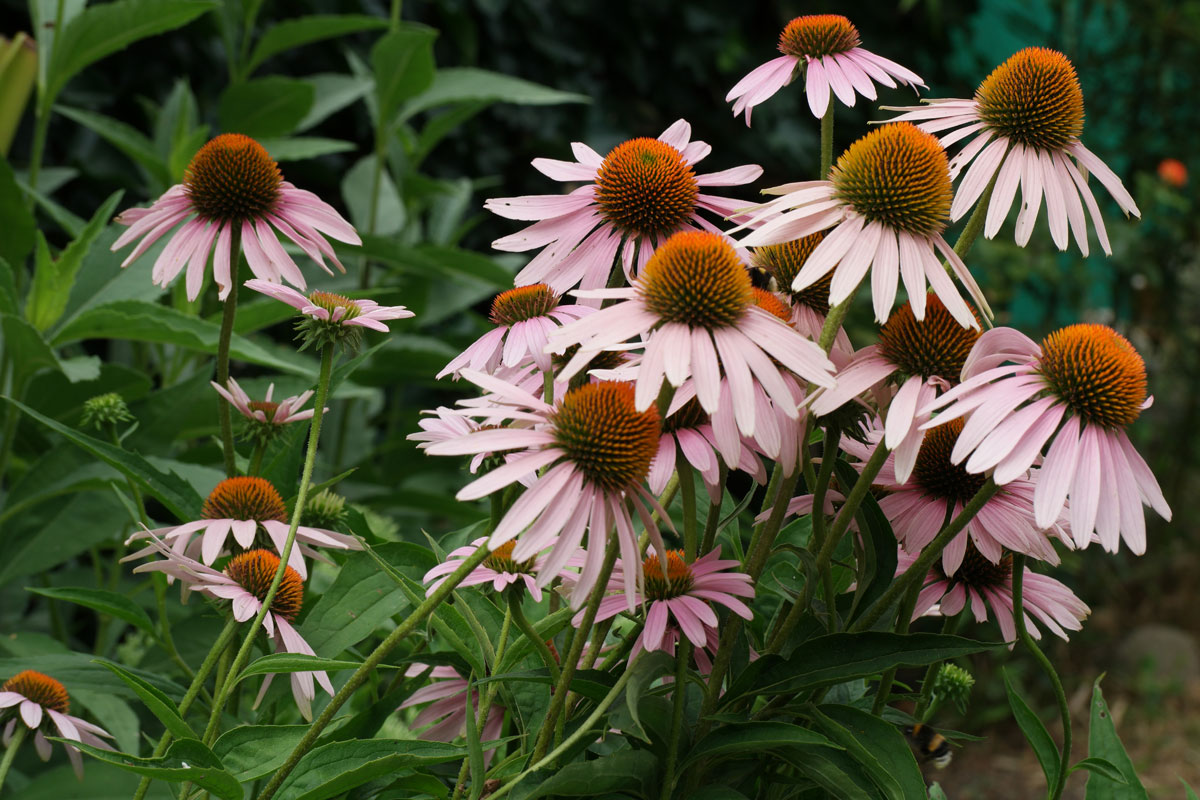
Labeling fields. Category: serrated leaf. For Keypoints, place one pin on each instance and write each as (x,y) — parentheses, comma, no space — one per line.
(265,107)
(293,33)
(154,699)
(332,769)
(251,752)
(1035,733)
(1104,743)
(111,603)
(469,84)
(185,760)
(403,65)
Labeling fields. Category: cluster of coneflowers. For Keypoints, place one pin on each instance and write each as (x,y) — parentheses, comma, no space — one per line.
(662,338)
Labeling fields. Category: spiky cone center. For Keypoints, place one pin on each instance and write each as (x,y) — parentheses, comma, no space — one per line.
(784,262)
(1096,372)
(936,475)
(690,416)
(254,571)
(522,303)
(771,304)
(645,188)
(696,278)
(501,560)
(605,436)
(896,175)
(332,302)
(936,345)
(41,689)
(1033,98)
(818,35)
(232,179)
(976,572)
(245,497)
(679,579)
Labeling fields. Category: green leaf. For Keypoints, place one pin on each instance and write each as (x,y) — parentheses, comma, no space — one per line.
(357,186)
(443,261)
(839,657)
(332,769)
(111,603)
(251,752)
(265,107)
(1101,767)
(306,30)
(877,567)
(149,322)
(468,84)
(593,684)
(185,760)
(17,241)
(276,663)
(626,772)
(752,738)
(474,751)
(104,29)
(130,141)
(403,65)
(648,669)
(1035,733)
(836,771)
(53,280)
(172,491)
(40,539)
(24,344)
(302,148)
(877,745)
(8,287)
(154,699)
(1191,793)
(79,671)
(332,92)
(1104,743)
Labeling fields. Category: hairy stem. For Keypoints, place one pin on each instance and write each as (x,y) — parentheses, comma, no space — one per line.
(518,615)
(679,695)
(827,141)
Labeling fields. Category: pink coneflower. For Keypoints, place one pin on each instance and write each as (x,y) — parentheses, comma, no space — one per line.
(41,703)
(985,583)
(233,186)
(887,200)
(449,707)
(243,506)
(586,457)
(445,424)
(643,191)
(525,317)
(683,595)
(689,431)
(266,411)
(825,47)
(333,308)
(245,581)
(1026,119)
(917,508)
(810,305)
(499,569)
(922,357)
(695,309)
(1090,379)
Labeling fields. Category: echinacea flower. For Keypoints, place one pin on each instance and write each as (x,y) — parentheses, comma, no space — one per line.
(448,707)
(524,317)
(245,581)
(332,319)
(922,357)
(41,703)
(1079,390)
(243,506)
(265,411)
(1025,120)
(688,430)
(587,456)
(810,305)
(825,48)
(499,569)
(694,308)
(232,187)
(683,595)
(643,191)
(888,202)
(938,490)
(984,583)
(442,424)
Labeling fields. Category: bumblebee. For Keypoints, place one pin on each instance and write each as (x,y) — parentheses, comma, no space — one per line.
(931,745)
(761,278)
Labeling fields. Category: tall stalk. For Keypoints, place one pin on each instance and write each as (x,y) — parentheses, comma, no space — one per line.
(224,408)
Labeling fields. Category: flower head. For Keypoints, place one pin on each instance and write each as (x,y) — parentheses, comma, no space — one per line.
(332,319)
(826,49)
(448,707)
(687,432)
(499,569)
(1024,125)
(887,201)
(232,186)
(41,703)
(265,417)
(810,305)
(1078,390)
(245,581)
(643,191)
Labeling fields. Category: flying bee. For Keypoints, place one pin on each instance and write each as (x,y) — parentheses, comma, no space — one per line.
(761,278)
(930,744)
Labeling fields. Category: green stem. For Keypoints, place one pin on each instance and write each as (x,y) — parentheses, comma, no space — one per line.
(925,705)
(225,637)
(687,491)
(602,707)
(1018,577)
(571,660)
(395,20)
(224,409)
(11,417)
(372,662)
(256,459)
(518,615)
(682,654)
(714,515)
(833,321)
(975,223)
(920,568)
(486,706)
(10,752)
(41,127)
(310,457)
(133,490)
(827,141)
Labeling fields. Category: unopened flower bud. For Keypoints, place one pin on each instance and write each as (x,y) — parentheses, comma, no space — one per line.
(105,409)
(953,683)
